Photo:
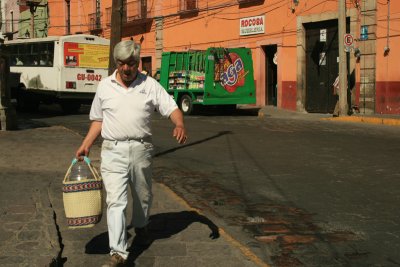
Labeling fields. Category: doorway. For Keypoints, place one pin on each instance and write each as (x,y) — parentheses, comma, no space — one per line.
(322,66)
(146,65)
(271,75)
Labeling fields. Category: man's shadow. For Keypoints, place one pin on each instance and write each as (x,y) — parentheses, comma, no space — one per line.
(161,226)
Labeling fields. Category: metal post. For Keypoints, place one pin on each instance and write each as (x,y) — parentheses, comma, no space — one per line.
(343,106)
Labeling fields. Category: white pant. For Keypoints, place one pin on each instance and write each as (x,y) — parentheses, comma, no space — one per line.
(124,162)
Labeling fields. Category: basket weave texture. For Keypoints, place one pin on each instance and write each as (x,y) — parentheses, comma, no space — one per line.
(83,200)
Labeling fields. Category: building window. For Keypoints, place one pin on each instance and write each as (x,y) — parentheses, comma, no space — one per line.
(94,21)
(108,16)
(133,10)
(247,1)
(136,10)
(187,5)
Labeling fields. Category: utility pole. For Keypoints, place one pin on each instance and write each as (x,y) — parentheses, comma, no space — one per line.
(343,106)
(8,119)
(116,30)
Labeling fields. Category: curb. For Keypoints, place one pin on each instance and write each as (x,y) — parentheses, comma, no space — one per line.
(371,120)
(246,252)
(354,118)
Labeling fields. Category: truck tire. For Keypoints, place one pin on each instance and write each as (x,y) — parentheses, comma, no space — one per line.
(227,109)
(186,104)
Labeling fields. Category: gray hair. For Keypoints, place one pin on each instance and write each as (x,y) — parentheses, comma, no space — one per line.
(125,50)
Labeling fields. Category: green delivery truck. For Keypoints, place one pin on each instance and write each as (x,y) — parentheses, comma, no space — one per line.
(217,76)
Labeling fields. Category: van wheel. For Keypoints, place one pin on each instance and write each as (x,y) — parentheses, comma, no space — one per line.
(27,101)
(70,106)
(186,104)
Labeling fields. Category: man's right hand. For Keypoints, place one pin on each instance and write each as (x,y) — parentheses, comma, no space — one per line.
(82,151)
(94,131)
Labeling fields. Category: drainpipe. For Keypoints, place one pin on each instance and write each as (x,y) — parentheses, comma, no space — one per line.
(68,17)
(387,47)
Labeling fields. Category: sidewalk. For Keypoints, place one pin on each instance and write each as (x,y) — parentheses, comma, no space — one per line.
(273,112)
(33,230)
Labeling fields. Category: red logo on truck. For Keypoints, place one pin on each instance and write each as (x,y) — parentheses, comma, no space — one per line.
(233,74)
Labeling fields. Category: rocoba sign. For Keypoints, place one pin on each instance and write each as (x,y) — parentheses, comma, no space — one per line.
(252,22)
(252,25)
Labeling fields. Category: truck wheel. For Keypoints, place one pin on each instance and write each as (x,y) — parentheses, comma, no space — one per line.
(186,105)
(228,109)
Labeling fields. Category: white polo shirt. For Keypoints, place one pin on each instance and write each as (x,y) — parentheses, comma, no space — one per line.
(126,113)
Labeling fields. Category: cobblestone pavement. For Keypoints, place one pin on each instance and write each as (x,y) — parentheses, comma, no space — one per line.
(33,229)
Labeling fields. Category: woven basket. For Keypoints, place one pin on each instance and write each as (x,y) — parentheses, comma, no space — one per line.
(83,199)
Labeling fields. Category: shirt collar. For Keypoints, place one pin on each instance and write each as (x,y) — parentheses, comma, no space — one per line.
(139,79)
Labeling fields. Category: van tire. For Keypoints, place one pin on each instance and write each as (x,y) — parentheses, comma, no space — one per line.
(70,106)
(27,101)
(186,104)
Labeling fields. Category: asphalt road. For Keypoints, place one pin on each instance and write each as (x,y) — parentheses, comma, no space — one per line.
(297,192)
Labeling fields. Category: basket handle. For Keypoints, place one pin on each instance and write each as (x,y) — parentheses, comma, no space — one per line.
(85,159)
(88,162)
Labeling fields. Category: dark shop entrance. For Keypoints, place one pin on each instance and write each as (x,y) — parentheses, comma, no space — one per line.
(322,65)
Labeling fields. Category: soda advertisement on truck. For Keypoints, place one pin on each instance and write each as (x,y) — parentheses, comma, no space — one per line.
(221,77)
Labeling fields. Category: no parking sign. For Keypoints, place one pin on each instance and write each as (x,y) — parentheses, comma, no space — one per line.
(348,41)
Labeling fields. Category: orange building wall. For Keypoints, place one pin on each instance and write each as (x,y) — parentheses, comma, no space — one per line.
(387,70)
(79,16)
(217,24)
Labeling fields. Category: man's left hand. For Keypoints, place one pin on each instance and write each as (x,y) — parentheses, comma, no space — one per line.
(180,134)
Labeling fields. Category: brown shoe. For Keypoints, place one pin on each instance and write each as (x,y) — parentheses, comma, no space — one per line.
(116,260)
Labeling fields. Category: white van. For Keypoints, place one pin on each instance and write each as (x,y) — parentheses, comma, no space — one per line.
(61,69)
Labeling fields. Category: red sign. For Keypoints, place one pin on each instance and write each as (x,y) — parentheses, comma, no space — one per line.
(348,39)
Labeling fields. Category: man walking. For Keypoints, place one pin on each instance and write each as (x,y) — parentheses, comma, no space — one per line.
(121,111)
